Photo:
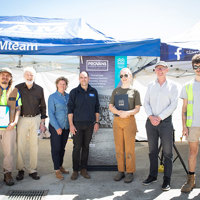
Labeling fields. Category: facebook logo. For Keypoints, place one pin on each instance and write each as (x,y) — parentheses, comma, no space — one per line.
(175,53)
(178,53)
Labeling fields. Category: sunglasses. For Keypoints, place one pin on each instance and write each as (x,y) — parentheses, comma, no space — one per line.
(196,67)
(125,75)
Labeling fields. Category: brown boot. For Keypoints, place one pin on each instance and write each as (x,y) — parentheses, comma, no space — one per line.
(63,170)
(59,175)
(85,174)
(190,184)
(74,175)
(8,179)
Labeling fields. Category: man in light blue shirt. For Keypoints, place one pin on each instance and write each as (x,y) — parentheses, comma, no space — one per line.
(160,102)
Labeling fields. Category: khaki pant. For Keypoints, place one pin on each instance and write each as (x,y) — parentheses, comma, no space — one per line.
(124,135)
(27,127)
(8,141)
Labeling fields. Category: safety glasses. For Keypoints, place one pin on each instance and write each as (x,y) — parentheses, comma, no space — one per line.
(125,75)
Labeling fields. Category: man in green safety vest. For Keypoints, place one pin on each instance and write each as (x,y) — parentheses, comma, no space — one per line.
(191,121)
(10,102)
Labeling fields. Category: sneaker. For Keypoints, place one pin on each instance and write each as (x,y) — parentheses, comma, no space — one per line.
(119,176)
(8,179)
(166,185)
(74,175)
(20,175)
(128,178)
(85,174)
(149,180)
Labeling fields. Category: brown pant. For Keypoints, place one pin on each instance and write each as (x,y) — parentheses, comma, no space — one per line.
(124,135)
(8,141)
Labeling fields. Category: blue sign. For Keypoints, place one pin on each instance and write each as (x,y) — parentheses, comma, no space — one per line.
(120,62)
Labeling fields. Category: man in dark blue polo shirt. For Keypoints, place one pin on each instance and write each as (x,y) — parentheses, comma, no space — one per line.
(83,114)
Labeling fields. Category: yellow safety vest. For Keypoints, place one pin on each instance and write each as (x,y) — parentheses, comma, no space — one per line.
(189,91)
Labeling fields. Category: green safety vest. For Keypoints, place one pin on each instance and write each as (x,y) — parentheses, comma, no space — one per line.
(189,91)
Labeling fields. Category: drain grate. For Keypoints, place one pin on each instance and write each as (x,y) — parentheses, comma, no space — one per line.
(27,194)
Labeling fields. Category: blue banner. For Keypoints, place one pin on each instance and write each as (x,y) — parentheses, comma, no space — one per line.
(120,62)
(175,53)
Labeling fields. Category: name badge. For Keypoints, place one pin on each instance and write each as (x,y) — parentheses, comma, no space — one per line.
(91,95)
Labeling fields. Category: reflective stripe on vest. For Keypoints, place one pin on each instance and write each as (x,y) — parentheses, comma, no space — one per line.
(190,102)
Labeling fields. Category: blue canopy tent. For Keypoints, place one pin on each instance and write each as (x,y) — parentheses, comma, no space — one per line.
(22,35)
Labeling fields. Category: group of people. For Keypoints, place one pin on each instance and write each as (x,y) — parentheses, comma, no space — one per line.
(160,101)
(27,109)
(78,113)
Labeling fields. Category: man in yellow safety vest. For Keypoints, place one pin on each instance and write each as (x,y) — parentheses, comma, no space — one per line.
(191,121)
(10,102)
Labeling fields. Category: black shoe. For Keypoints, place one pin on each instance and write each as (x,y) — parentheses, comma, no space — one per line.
(149,180)
(166,184)
(34,176)
(20,175)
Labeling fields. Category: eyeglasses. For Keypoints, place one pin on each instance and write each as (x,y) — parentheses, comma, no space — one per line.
(160,69)
(196,67)
(125,75)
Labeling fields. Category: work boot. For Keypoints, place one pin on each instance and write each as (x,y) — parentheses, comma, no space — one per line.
(59,175)
(119,176)
(74,175)
(63,170)
(128,178)
(8,179)
(190,184)
(20,175)
(85,174)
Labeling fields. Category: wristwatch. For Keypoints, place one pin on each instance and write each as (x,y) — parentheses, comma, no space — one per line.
(97,122)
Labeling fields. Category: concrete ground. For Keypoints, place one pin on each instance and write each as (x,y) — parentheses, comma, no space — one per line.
(101,185)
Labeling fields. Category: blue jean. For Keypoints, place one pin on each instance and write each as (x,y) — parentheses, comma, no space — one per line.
(164,131)
(58,143)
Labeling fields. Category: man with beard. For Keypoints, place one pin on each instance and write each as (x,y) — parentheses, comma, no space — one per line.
(191,121)
(9,98)
(32,118)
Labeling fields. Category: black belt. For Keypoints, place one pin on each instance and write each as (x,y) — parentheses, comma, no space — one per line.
(29,115)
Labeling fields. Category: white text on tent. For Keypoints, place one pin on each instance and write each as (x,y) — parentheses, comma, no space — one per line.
(16,46)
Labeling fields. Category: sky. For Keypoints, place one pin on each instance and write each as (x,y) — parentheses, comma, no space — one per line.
(120,19)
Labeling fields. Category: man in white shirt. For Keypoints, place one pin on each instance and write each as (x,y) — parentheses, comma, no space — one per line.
(160,102)
(191,121)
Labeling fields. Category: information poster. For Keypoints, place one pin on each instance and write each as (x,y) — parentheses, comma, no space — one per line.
(104,76)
